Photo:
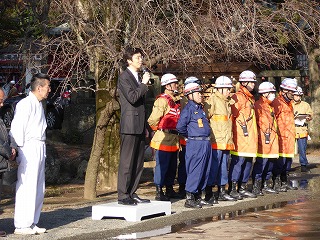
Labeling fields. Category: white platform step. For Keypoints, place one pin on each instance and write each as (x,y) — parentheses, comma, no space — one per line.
(130,213)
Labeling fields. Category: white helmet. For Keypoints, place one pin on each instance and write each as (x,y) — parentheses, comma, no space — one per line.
(223,82)
(299,91)
(266,87)
(289,84)
(192,80)
(168,78)
(191,88)
(247,76)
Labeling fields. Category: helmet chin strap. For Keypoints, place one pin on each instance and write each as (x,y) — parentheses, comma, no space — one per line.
(175,92)
(246,86)
(286,96)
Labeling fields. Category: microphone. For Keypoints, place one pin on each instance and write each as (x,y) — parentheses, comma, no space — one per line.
(144,70)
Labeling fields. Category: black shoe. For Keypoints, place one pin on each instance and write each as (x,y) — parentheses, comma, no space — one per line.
(192,204)
(233,191)
(170,193)
(191,201)
(160,194)
(213,200)
(245,193)
(140,200)
(127,201)
(223,196)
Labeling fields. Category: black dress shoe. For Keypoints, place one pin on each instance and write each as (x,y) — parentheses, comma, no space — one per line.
(136,199)
(127,201)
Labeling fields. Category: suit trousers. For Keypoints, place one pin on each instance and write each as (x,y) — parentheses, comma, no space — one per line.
(130,164)
(30,185)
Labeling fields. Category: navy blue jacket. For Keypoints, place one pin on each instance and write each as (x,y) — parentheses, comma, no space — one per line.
(193,121)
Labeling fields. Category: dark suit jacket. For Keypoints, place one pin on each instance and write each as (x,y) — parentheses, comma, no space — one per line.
(132,102)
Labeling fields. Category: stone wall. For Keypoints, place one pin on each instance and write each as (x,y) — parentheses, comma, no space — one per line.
(79,123)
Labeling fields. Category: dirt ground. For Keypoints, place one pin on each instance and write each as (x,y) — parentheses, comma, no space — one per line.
(66,214)
(71,193)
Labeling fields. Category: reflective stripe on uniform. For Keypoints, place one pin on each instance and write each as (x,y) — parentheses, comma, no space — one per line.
(286,155)
(264,155)
(219,118)
(162,147)
(222,146)
(243,154)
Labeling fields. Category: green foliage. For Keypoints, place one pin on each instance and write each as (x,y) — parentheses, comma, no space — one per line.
(18,20)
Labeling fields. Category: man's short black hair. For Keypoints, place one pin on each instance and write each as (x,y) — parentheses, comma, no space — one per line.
(36,80)
(129,52)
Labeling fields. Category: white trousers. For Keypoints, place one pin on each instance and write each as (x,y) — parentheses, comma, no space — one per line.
(30,185)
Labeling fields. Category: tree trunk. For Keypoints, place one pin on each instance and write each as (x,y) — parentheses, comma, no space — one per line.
(315,95)
(102,166)
(90,191)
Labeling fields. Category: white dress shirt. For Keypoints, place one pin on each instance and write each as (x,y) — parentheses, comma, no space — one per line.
(135,74)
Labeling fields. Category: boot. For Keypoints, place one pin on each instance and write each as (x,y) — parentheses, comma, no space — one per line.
(170,193)
(203,202)
(288,186)
(285,184)
(268,189)
(233,191)
(243,191)
(182,191)
(208,193)
(257,188)
(277,185)
(160,194)
(191,202)
(223,196)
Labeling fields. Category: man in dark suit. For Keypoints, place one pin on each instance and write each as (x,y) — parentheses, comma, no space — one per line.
(132,91)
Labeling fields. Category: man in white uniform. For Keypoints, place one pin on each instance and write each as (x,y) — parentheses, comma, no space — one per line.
(28,130)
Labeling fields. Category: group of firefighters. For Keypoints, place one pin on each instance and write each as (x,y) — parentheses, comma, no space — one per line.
(202,132)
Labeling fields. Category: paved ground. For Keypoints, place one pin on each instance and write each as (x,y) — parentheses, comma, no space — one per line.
(68,216)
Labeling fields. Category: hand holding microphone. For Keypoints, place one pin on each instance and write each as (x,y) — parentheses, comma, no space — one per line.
(146,75)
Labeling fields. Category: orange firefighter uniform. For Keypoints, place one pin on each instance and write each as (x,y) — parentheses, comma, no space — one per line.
(284,115)
(244,127)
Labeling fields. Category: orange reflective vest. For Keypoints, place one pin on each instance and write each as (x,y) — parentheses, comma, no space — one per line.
(164,116)
(302,107)
(244,127)
(268,143)
(218,110)
(284,115)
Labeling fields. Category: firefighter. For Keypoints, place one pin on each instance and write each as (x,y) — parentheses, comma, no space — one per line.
(245,136)
(283,111)
(268,145)
(302,108)
(218,109)
(194,125)
(163,120)
(182,174)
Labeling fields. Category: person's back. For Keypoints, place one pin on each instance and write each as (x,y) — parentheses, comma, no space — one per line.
(283,111)
(244,124)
